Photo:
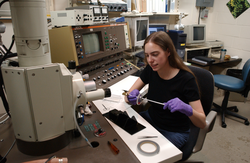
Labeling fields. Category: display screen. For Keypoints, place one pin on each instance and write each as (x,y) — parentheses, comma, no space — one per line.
(97,10)
(156,28)
(91,43)
(198,33)
(104,10)
(142,31)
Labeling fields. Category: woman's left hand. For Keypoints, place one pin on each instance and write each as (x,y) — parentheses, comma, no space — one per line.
(177,105)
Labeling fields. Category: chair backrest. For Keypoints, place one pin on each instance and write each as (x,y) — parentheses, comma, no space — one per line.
(205,81)
(206,85)
(245,72)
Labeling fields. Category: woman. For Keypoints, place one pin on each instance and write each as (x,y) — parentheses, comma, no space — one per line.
(170,82)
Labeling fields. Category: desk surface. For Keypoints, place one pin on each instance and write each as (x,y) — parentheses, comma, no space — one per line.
(168,152)
(79,151)
(217,62)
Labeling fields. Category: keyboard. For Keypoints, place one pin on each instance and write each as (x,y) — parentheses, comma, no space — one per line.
(203,58)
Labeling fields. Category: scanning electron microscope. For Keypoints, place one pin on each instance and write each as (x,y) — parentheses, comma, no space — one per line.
(44,98)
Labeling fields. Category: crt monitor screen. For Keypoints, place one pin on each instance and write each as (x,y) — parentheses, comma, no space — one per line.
(142,31)
(91,43)
(157,27)
(198,33)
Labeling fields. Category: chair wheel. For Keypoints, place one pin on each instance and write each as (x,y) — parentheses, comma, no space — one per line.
(236,110)
(246,122)
(224,125)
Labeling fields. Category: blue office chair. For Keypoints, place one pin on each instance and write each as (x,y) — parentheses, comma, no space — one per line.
(232,84)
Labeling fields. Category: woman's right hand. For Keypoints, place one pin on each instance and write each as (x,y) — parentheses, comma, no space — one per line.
(132,97)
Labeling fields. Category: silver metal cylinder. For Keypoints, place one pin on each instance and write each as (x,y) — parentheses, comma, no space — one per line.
(29,21)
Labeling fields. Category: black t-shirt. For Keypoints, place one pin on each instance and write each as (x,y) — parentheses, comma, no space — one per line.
(183,86)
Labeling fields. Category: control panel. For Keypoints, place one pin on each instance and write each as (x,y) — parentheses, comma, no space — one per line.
(85,44)
(116,6)
(73,16)
(108,70)
(97,51)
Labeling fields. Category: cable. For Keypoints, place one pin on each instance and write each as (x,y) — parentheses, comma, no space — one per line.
(200,10)
(199,15)
(3,116)
(4,120)
(50,158)
(8,151)
(74,110)
(12,43)
(2,94)
(7,55)
(1,3)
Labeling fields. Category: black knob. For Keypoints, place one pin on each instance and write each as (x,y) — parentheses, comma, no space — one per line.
(71,64)
(107,92)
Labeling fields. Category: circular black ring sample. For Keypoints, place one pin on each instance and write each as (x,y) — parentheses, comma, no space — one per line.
(148,142)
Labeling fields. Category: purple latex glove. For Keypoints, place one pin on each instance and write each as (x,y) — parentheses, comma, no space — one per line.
(177,105)
(132,97)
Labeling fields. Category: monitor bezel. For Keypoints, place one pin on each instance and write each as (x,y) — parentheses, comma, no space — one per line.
(189,30)
(133,26)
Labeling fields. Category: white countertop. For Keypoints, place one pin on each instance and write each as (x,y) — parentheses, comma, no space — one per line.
(168,152)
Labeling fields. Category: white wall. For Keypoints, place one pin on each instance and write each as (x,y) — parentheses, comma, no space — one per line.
(221,25)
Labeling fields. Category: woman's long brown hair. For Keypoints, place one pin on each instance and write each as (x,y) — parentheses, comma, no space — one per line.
(165,42)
